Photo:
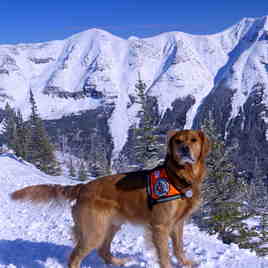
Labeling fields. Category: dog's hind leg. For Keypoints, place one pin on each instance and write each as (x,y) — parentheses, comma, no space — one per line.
(105,249)
(81,250)
(90,229)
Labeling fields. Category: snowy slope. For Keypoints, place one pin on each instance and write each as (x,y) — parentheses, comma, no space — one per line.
(38,236)
(174,65)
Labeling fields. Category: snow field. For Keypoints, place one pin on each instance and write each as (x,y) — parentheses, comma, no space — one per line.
(40,237)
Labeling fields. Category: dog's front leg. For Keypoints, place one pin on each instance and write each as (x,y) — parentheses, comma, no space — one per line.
(160,235)
(177,241)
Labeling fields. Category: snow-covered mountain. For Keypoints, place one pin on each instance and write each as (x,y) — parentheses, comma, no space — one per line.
(94,73)
(38,236)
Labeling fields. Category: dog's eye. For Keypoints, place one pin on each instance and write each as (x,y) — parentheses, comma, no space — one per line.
(194,140)
(178,141)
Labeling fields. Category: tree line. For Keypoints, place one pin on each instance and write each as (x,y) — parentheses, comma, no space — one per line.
(29,139)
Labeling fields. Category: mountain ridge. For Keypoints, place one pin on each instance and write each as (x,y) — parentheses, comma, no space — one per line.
(185,74)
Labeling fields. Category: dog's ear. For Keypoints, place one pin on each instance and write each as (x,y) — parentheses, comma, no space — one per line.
(206,146)
(170,134)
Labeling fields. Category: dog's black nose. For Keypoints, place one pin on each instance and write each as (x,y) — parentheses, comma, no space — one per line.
(185,149)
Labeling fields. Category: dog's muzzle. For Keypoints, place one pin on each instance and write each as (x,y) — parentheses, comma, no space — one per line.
(185,155)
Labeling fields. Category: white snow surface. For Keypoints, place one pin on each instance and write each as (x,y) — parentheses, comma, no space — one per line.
(173,65)
(39,236)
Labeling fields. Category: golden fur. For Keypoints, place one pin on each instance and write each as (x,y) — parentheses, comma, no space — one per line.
(104,204)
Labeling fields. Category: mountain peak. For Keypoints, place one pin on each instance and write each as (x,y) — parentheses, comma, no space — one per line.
(265,22)
(95,32)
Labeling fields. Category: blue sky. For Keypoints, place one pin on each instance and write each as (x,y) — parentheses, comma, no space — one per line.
(44,20)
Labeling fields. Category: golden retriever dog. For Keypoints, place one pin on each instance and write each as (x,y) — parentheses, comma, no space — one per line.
(104,204)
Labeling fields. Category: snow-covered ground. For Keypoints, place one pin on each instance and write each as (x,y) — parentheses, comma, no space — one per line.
(39,236)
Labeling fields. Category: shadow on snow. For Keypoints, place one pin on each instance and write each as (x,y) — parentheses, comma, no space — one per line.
(28,254)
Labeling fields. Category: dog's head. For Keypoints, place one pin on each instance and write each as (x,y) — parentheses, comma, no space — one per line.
(187,146)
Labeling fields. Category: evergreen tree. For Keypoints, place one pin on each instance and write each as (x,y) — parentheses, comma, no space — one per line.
(99,164)
(229,200)
(16,132)
(22,136)
(147,147)
(258,203)
(258,193)
(262,245)
(34,118)
(9,126)
(224,193)
(40,150)
(72,172)
(82,173)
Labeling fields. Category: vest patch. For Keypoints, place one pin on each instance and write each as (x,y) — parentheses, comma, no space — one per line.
(161,187)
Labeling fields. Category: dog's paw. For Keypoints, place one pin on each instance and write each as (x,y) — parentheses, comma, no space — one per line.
(132,262)
(190,264)
(119,261)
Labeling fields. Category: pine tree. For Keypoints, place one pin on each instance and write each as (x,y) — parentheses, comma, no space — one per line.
(72,172)
(223,209)
(229,200)
(262,245)
(82,173)
(258,203)
(258,194)
(34,111)
(22,136)
(40,150)
(15,132)
(9,126)
(147,147)
(100,163)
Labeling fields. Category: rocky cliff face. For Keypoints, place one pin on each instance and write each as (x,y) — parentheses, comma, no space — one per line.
(239,100)
(89,80)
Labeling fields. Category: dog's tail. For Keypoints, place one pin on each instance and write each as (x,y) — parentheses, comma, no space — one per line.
(44,193)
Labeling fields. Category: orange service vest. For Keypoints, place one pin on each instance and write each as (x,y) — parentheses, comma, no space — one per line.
(160,189)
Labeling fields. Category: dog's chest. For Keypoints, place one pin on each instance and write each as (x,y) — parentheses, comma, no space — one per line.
(184,208)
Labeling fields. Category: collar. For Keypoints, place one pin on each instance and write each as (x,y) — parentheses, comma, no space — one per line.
(161,189)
